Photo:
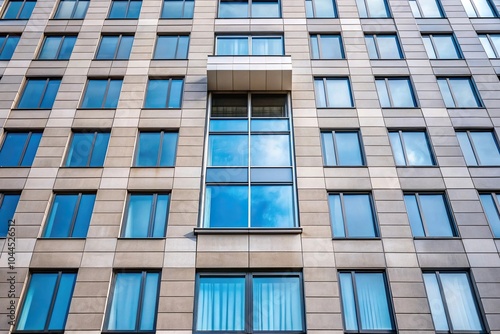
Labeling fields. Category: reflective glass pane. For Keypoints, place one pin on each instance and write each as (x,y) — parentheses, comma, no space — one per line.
(81,9)
(228,125)
(359,216)
(336,216)
(315,47)
(67,47)
(169,146)
(372,49)
(383,95)
(465,93)
(134,9)
(94,95)
(118,9)
(437,218)
(349,149)
(362,8)
(265,9)
(487,46)
(50,94)
(429,48)
(160,219)
(50,47)
(401,93)
(173,9)
(430,8)
(61,216)
(324,8)
(435,302)
(275,175)
(175,95)
(468,152)
(495,40)
(8,47)
(84,215)
(13,9)
(309,8)
(182,47)
(32,94)
(348,301)
(329,158)
(107,48)
(389,47)
(339,93)
(374,310)
(62,302)
(417,149)
(377,8)
(484,8)
(269,125)
(228,150)
(234,46)
(100,148)
(446,93)
(417,226)
(149,301)
(486,148)
(113,94)
(12,149)
(269,46)
(228,9)
(149,146)
(446,47)
(79,152)
(166,47)
(125,302)
(270,150)
(7,210)
(492,213)
(65,9)
(397,148)
(319,89)
(138,216)
(125,47)
(27,10)
(156,94)
(272,206)
(29,154)
(226,206)
(331,47)
(227,175)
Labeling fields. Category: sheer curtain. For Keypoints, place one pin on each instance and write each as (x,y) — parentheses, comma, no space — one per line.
(123,312)
(372,301)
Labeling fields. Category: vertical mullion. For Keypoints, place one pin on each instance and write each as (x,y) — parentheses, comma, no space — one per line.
(445,304)
(318,40)
(389,93)
(335,148)
(20,10)
(420,212)
(74,9)
(25,147)
(160,148)
(117,46)
(177,47)
(75,214)
(493,195)
(342,205)
(138,317)
(126,9)
(419,8)
(4,43)
(2,196)
(249,303)
(44,90)
(249,174)
(356,301)
(152,212)
(92,149)
(401,138)
(105,93)
(53,302)
(431,38)
(375,41)
(58,52)
(452,93)
(169,87)
(493,46)
(473,146)
(325,90)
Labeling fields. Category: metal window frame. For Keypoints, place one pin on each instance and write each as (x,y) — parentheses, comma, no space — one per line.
(20,9)
(58,51)
(327,97)
(75,6)
(24,148)
(249,39)
(474,92)
(490,5)
(92,147)
(126,10)
(167,93)
(249,9)
(389,93)
(152,214)
(320,47)
(436,49)
(335,149)
(496,203)
(473,144)
(105,96)
(42,94)
(403,145)
(421,12)
(368,11)
(313,5)
(160,147)
(118,44)
(374,37)
(183,11)
(177,50)
(72,222)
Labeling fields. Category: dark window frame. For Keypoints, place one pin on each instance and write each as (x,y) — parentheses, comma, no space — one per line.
(472,144)
(475,92)
(389,94)
(176,47)
(315,15)
(152,214)
(402,141)
(458,49)
(58,52)
(160,150)
(367,8)
(25,147)
(108,17)
(105,97)
(75,7)
(493,47)
(374,36)
(183,12)
(168,93)
(496,202)
(335,150)
(95,132)
(320,48)
(419,7)
(117,49)
(249,9)
(327,97)
(42,95)
(490,4)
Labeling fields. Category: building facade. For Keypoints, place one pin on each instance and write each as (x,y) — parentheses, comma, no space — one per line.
(319,166)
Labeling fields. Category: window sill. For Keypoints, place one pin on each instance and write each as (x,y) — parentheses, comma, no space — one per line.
(484,166)
(81,167)
(208,230)
(61,238)
(144,238)
(122,18)
(356,238)
(437,238)
(405,108)
(25,109)
(417,166)
(149,167)
(144,108)
(345,166)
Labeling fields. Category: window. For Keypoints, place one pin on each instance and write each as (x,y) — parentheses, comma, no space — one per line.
(366,302)
(8,44)
(125,9)
(320,9)
(454,307)
(102,93)
(134,302)
(46,304)
(459,93)
(172,47)
(491,44)
(249,163)
(429,215)
(342,148)
(327,47)
(87,149)
(373,9)
(352,216)
(491,205)
(146,216)
(70,216)
(57,47)
(156,149)
(249,8)
(177,9)
(164,93)
(8,205)
(383,47)
(115,47)
(395,93)
(333,93)
(480,148)
(19,10)
(39,93)
(251,302)
(411,148)
(479,8)
(19,149)
(426,8)
(72,9)
(441,47)
(249,45)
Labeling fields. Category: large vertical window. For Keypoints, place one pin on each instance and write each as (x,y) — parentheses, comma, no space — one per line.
(249,163)
(172,47)
(479,8)
(57,47)
(426,8)
(352,215)
(19,149)
(125,9)
(8,205)
(115,47)
(39,93)
(342,148)
(19,9)
(72,9)
(252,302)
(453,305)
(321,9)
(491,44)
(87,149)
(177,9)
(491,205)
(383,46)
(8,44)
(102,93)
(480,148)
(146,216)
(249,8)
(156,149)
(326,47)
(459,93)
(249,45)
(411,148)
(373,8)
(70,216)
(164,93)
(133,302)
(395,93)
(441,46)
(366,303)
(333,93)
(429,215)
(46,303)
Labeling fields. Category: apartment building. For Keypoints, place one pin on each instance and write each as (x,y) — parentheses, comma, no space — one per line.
(246,166)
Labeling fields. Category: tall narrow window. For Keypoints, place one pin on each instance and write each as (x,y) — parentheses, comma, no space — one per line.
(480,148)
(172,47)
(426,8)
(352,216)
(39,93)
(249,45)
(491,44)
(373,9)
(479,8)
(8,205)
(177,9)
(454,306)
(429,215)
(133,302)
(366,303)
(491,205)
(459,93)
(19,9)
(395,93)
(125,9)
(342,148)
(441,46)
(321,9)
(57,47)
(383,47)
(102,94)
(72,9)
(146,216)
(333,93)
(87,149)
(164,93)
(115,47)
(46,303)
(8,44)
(156,149)
(249,163)
(19,149)
(249,8)
(327,47)
(411,148)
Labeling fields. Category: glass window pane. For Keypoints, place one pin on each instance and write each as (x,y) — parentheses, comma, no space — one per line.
(491,211)
(430,8)
(349,149)
(401,93)
(319,89)
(62,302)
(125,302)
(417,149)
(495,40)
(362,8)
(149,146)
(12,149)
(65,9)
(156,94)
(118,9)
(429,48)
(268,46)
(309,8)
(27,10)
(9,47)
(359,216)
(383,95)
(269,125)
(50,47)
(435,302)
(377,8)
(437,219)
(149,301)
(445,92)
(466,147)
(315,47)
(486,148)
(169,146)
(138,216)
(339,93)
(50,94)
(175,96)
(29,154)
(272,206)
(94,95)
(81,9)
(7,210)
(113,94)
(373,303)
(227,175)
(61,216)
(32,94)
(413,211)
(107,48)
(125,47)
(166,47)
(84,215)
(81,146)
(160,219)
(228,150)
(270,150)
(372,49)
(487,46)
(228,125)
(232,9)
(484,8)
(324,8)
(67,47)
(265,9)
(397,148)
(348,301)
(328,149)
(234,46)
(336,216)
(275,175)
(182,47)
(100,148)
(226,206)
(12,10)
(464,93)
(134,9)
(389,47)
(446,47)
(331,47)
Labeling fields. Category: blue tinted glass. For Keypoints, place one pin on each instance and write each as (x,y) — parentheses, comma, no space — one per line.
(94,96)
(37,302)
(373,303)
(483,8)
(372,49)
(436,215)
(275,175)
(149,301)
(27,10)
(348,301)
(309,8)
(83,216)
(232,46)
(362,8)
(329,158)
(267,46)
(8,47)
(349,149)
(167,157)
(324,8)
(228,9)
(221,304)
(397,148)
(270,292)
(465,93)
(467,150)
(417,149)
(319,90)
(29,154)
(315,47)
(32,94)
(50,94)
(176,9)
(62,302)
(182,47)
(13,9)
(269,125)
(113,95)
(435,302)
(359,216)
(12,149)
(65,9)
(107,48)
(100,148)
(265,9)
(7,210)
(134,9)
(339,93)
(156,94)
(125,47)
(79,152)
(149,146)
(138,216)
(123,310)
(429,48)
(81,9)
(61,216)
(336,216)
(166,47)
(383,95)
(486,148)
(446,47)
(50,47)
(270,150)
(401,93)
(118,9)
(488,48)
(226,206)
(67,47)
(377,8)
(272,206)
(430,8)
(175,95)
(492,213)
(226,175)
(389,47)
(446,93)
(331,47)
(417,226)
(229,125)
(160,219)
(228,150)
(188,9)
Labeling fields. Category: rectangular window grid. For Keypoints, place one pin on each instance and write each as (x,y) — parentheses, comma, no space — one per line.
(57,47)
(321,9)
(115,47)
(479,8)
(164,93)
(342,148)
(249,8)
(8,45)
(333,93)
(249,45)
(327,47)
(87,149)
(491,206)
(125,9)
(177,9)
(352,215)
(480,148)
(383,47)
(426,8)
(39,93)
(373,9)
(396,92)
(411,148)
(19,149)
(459,92)
(491,44)
(72,9)
(172,47)
(8,205)
(156,149)
(19,10)
(146,216)
(102,94)
(441,46)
